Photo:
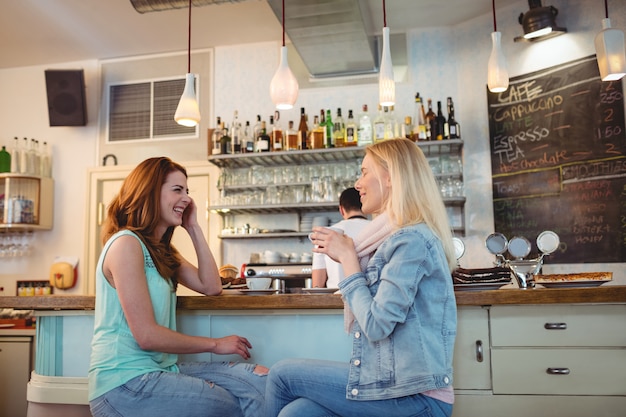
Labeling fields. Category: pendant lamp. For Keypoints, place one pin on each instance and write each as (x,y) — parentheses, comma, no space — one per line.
(284,86)
(386,83)
(497,74)
(610,50)
(188,111)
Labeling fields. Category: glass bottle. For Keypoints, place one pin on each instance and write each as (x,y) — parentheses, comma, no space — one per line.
(277,133)
(430,121)
(5,160)
(263,140)
(15,155)
(351,130)
(328,130)
(454,131)
(24,157)
(390,124)
(419,128)
(46,161)
(291,135)
(303,130)
(217,136)
(257,127)
(235,134)
(339,130)
(32,158)
(248,138)
(440,122)
(407,128)
(225,141)
(364,137)
(317,135)
(379,125)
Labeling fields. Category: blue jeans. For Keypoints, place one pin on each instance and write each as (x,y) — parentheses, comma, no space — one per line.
(315,388)
(201,389)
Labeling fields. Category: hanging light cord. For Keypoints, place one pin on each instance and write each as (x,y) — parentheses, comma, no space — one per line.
(384,15)
(493,7)
(283,22)
(189,41)
(606,8)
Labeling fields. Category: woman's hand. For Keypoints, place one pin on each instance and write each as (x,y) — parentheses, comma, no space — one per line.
(190,215)
(233,344)
(329,242)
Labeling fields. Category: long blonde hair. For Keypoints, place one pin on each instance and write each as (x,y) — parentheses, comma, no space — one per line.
(414,196)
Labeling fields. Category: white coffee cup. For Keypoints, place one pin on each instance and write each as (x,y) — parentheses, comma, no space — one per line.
(335,229)
(258,283)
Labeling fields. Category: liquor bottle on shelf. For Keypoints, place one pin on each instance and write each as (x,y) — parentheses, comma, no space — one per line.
(291,137)
(24,169)
(328,130)
(235,134)
(389,130)
(419,128)
(364,137)
(256,130)
(34,157)
(277,133)
(225,141)
(339,130)
(430,121)
(440,123)
(316,140)
(454,130)
(248,138)
(406,130)
(379,125)
(217,136)
(351,131)
(303,130)
(263,140)
(395,123)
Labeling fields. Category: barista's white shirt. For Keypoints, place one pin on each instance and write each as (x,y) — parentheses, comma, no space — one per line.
(351,227)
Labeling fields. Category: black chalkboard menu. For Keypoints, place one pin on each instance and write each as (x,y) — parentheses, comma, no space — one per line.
(558,161)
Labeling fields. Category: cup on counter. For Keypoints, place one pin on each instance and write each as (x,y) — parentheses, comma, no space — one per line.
(258,283)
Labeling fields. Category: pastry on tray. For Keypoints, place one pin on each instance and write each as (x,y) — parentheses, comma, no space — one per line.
(481,275)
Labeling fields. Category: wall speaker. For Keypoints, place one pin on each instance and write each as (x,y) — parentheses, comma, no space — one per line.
(66,97)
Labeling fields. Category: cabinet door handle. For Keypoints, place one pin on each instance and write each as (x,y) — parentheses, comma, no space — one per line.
(479,351)
(100,213)
(557,371)
(555,326)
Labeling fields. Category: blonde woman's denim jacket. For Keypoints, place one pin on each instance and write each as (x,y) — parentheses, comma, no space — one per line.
(405,318)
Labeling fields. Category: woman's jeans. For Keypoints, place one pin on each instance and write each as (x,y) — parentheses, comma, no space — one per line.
(314,388)
(219,389)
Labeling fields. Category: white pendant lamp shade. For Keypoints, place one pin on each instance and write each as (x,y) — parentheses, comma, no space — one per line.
(386,83)
(284,85)
(188,112)
(497,74)
(610,52)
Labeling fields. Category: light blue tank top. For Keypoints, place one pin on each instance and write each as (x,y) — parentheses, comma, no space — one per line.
(115,355)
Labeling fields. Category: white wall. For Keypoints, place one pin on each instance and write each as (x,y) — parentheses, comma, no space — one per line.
(443,62)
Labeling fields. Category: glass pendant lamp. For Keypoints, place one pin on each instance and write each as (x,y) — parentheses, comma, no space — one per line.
(284,86)
(188,111)
(386,83)
(497,74)
(610,53)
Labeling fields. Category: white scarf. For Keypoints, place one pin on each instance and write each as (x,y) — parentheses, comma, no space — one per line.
(366,243)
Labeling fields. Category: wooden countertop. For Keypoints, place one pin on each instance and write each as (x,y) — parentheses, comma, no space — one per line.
(604,294)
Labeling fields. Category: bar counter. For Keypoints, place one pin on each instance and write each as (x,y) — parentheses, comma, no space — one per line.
(603,294)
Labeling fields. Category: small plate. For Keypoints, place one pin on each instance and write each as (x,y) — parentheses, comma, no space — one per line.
(571,284)
(548,242)
(320,290)
(459,247)
(519,247)
(480,287)
(269,291)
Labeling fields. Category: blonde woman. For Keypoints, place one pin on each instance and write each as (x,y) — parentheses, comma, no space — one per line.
(399,302)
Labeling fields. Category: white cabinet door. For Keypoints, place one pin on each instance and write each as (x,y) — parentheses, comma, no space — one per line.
(105,182)
(15,354)
(472,369)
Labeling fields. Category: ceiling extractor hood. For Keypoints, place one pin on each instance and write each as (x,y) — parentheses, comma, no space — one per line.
(330,36)
(145,6)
